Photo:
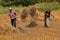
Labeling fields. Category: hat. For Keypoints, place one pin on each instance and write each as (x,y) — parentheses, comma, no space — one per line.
(10,8)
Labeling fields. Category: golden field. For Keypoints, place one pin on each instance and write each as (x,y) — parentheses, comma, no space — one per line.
(7,32)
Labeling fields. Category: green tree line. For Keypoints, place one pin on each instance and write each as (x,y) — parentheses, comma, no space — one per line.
(23,2)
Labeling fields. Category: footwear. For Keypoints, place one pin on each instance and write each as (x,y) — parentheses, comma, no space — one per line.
(47,27)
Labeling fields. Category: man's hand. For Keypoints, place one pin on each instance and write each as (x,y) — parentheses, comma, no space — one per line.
(55,18)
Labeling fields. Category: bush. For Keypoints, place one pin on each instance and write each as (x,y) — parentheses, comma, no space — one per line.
(23,2)
(10,2)
(18,2)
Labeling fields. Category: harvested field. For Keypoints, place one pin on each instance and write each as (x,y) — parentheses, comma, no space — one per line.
(7,32)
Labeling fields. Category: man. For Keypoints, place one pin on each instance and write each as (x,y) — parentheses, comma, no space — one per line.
(34,16)
(24,14)
(47,17)
(34,13)
(12,15)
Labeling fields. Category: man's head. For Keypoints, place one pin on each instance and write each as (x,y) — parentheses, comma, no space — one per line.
(33,7)
(10,9)
(49,10)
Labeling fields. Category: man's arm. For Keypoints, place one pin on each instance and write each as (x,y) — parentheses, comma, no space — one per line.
(8,15)
(52,15)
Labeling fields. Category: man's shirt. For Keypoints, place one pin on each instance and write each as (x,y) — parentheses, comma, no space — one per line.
(12,14)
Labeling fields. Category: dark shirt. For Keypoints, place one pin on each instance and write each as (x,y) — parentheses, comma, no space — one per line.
(47,14)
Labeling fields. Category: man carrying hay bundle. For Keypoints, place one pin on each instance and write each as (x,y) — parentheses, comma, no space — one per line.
(34,16)
(24,14)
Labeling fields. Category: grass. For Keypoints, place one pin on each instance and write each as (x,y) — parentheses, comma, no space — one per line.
(45,6)
(41,7)
(4,10)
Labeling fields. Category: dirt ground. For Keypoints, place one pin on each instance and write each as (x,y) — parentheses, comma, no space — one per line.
(39,32)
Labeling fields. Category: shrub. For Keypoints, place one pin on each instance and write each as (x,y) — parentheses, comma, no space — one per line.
(18,2)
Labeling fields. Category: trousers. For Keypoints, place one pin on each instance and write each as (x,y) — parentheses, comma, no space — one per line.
(46,22)
(13,22)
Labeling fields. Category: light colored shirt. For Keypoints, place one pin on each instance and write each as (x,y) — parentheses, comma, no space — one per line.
(12,15)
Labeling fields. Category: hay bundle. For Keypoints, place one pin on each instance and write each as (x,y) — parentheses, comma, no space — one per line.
(32,24)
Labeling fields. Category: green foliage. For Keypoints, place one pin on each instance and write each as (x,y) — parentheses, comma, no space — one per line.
(41,7)
(28,2)
(10,2)
(46,6)
(23,2)
(58,1)
(18,2)
(4,10)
